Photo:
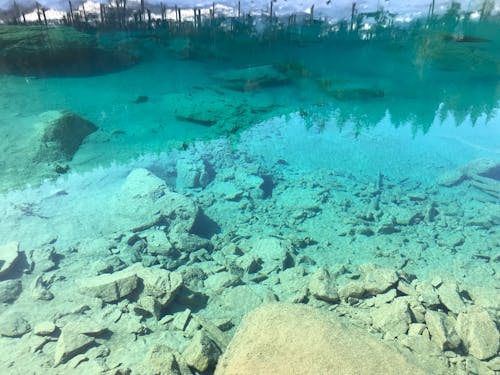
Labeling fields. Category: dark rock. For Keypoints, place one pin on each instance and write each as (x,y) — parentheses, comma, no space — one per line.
(10,290)
(141,99)
(62,133)
(253,78)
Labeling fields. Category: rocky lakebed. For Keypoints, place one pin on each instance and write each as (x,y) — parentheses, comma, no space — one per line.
(212,260)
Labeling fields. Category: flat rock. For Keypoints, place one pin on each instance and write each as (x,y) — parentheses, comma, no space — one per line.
(9,253)
(275,254)
(44,328)
(252,78)
(10,290)
(282,338)
(71,342)
(479,334)
(322,286)
(486,298)
(375,280)
(451,178)
(201,353)
(221,280)
(110,287)
(292,286)
(12,324)
(235,302)
(393,318)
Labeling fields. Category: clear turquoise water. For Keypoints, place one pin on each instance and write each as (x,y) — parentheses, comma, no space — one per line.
(355,120)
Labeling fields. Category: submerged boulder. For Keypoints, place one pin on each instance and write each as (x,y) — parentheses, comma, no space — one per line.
(40,147)
(144,200)
(282,338)
(60,135)
(252,78)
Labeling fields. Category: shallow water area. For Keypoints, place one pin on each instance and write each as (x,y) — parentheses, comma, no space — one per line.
(151,203)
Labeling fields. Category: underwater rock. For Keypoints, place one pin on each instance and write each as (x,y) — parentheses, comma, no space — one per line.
(282,338)
(12,324)
(486,298)
(44,328)
(449,295)
(159,288)
(72,341)
(201,353)
(292,286)
(451,178)
(252,78)
(141,99)
(483,174)
(479,334)
(110,264)
(222,280)
(61,134)
(144,200)
(442,330)
(9,254)
(160,359)
(251,184)
(235,302)
(348,91)
(181,319)
(158,243)
(393,319)
(43,259)
(322,286)
(40,289)
(10,290)
(188,243)
(229,112)
(275,254)
(375,280)
(110,287)
(213,331)
(427,294)
(192,173)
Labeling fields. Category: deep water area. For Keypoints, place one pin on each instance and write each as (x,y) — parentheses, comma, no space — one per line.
(157,186)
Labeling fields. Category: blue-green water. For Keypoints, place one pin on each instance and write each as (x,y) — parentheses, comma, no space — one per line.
(245,164)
